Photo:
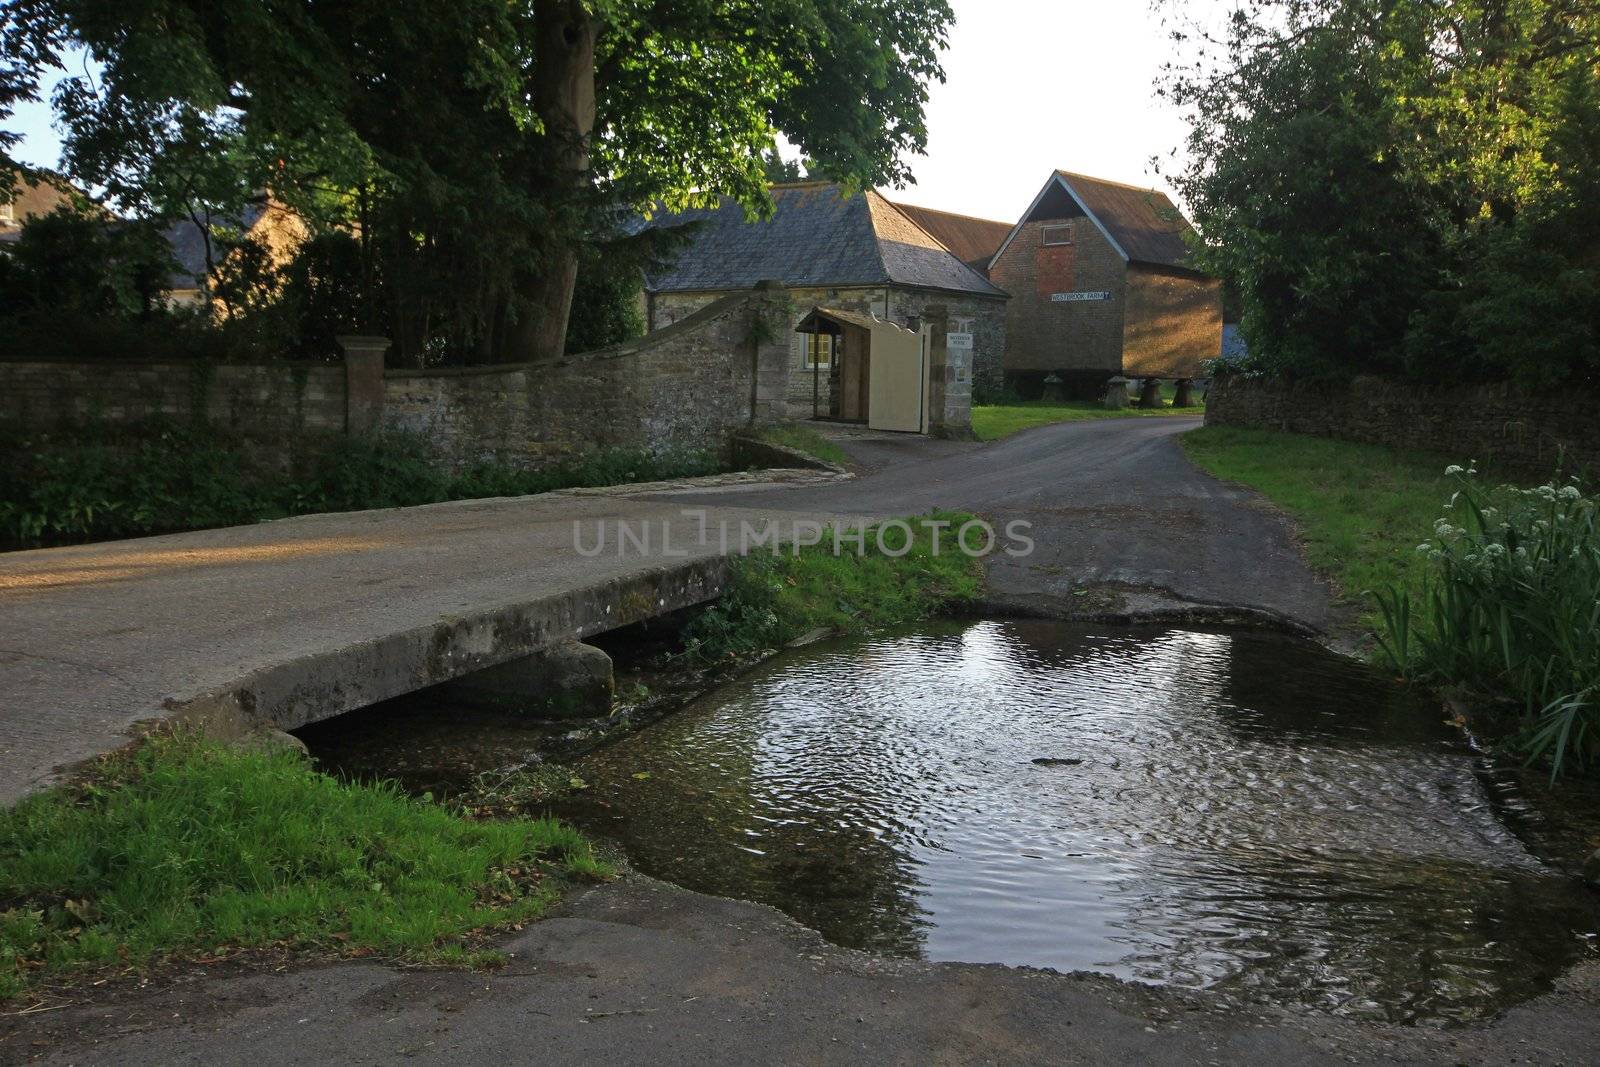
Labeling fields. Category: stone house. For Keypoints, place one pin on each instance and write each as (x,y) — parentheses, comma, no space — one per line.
(278,229)
(29,198)
(857,255)
(1101,288)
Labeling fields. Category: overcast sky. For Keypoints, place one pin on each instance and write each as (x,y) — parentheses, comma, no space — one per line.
(1036,85)
(1033,85)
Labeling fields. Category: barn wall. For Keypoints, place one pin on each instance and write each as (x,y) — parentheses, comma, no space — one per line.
(1173,321)
(1042,335)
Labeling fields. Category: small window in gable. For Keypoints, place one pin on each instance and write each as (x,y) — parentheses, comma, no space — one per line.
(1059,234)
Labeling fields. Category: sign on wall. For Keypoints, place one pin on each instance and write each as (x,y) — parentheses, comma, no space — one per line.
(958,340)
(1073,298)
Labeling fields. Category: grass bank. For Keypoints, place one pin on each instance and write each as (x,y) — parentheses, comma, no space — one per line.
(184,850)
(990,422)
(1362,509)
(775,599)
(95,486)
(804,439)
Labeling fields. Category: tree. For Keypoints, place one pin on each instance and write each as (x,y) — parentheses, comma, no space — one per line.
(1401,185)
(780,170)
(474,144)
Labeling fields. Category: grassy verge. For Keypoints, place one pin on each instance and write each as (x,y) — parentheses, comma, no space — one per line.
(804,439)
(1489,589)
(1362,509)
(775,599)
(990,422)
(182,850)
(98,486)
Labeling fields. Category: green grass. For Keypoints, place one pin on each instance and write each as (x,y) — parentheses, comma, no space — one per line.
(990,422)
(775,599)
(184,849)
(1362,509)
(804,439)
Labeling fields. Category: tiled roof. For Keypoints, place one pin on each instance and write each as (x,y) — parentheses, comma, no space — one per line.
(817,237)
(1144,222)
(973,240)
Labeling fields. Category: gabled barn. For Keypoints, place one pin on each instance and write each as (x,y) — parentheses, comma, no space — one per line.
(1101,286)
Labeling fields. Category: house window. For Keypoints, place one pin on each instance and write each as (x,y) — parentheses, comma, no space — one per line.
(1057,235)
(819,350)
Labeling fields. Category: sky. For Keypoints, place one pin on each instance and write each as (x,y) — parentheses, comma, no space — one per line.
(1031,86)
(1038,85)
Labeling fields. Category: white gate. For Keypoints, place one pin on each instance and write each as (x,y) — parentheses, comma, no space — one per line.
(897,388)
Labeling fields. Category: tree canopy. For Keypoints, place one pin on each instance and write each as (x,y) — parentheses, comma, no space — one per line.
(474,148)
(1402,186)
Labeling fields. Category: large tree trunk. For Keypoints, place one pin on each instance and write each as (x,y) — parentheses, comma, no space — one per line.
(564,96)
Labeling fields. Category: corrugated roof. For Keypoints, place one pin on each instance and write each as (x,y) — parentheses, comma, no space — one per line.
(817,237)
(973,240)
(1144,222)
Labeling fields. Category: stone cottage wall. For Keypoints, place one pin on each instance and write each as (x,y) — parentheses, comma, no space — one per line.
(1495,424)
(806,392)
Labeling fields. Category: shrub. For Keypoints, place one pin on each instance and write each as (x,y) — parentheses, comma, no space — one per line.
(1512,607)
(97,486)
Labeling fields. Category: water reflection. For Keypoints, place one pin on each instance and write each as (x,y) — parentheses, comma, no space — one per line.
(1240,812)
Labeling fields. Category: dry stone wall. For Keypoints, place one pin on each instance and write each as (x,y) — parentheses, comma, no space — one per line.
(1495,424)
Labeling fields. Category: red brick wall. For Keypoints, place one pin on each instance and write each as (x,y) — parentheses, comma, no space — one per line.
(1044,336)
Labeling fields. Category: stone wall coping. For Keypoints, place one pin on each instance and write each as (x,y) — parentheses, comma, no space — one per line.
(158,364)
(654,339)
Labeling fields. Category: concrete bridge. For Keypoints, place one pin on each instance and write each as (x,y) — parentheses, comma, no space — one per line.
(288,622)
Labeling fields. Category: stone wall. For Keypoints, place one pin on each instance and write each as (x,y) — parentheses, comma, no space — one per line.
(276,403)
(689,386)
(1495,424)
(686,387)
(806,392)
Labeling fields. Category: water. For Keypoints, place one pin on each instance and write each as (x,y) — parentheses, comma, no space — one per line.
(1236,812)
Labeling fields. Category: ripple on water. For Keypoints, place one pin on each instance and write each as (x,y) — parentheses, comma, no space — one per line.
(1239,812)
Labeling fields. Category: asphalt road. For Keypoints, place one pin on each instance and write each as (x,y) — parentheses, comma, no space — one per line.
(1112,503)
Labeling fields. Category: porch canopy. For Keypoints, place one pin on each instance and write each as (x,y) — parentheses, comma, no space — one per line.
(832,321)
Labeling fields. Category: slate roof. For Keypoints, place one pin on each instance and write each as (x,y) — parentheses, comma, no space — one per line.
(817,238)
(973,240)
(189,244)
(1143,221)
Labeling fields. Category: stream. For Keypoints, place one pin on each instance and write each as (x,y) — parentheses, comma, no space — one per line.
(1233,811)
